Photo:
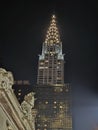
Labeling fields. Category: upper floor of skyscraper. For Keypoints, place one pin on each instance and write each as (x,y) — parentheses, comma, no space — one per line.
(51,61)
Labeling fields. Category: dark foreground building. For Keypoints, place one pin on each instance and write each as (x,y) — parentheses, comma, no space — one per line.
(53,95)
(21,88)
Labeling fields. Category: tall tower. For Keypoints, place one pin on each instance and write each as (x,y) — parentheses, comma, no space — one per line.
(53,95)
(51,61)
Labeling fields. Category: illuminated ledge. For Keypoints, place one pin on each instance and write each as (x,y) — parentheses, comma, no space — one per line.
(58,85)
(53,85)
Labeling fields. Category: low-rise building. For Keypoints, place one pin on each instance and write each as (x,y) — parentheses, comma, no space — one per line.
(14,116)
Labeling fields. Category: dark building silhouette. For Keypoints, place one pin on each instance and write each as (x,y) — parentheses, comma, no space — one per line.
(21,88)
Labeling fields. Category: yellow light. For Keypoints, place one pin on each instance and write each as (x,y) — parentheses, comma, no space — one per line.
(41,63)
(41,67)
(45,125)
(52,31)
(46,67)
(46,102)
(61,107)
(19,94)
(53,16)
(55,102)
(53,21)
(46,60)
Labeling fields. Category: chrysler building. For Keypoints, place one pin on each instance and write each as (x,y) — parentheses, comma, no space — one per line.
(53,104)
(51,61)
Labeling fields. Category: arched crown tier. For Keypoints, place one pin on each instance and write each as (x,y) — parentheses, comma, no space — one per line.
(52,35)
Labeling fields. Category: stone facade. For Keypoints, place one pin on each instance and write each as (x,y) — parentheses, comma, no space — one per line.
(14,116)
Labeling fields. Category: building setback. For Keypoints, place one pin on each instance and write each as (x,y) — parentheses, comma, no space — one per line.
(53,95)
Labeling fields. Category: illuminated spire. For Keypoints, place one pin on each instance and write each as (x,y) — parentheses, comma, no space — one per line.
(53,35)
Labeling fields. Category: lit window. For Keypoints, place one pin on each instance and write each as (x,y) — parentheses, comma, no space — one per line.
(26,82)
(61,106)
(46,67)
(19,94)
(58,78)
(54,102)
(41,67)
(57,67)
(46,60)
(45,125)
(59,63)
(41,63)
(46,102)
(51,54)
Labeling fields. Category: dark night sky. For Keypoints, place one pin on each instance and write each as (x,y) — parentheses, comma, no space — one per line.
(23,27)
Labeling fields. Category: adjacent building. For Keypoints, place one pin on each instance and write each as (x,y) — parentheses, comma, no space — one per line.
(14,116)
(21,88)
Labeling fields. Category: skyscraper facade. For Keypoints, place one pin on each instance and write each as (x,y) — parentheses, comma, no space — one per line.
(53,95)
(51,61)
